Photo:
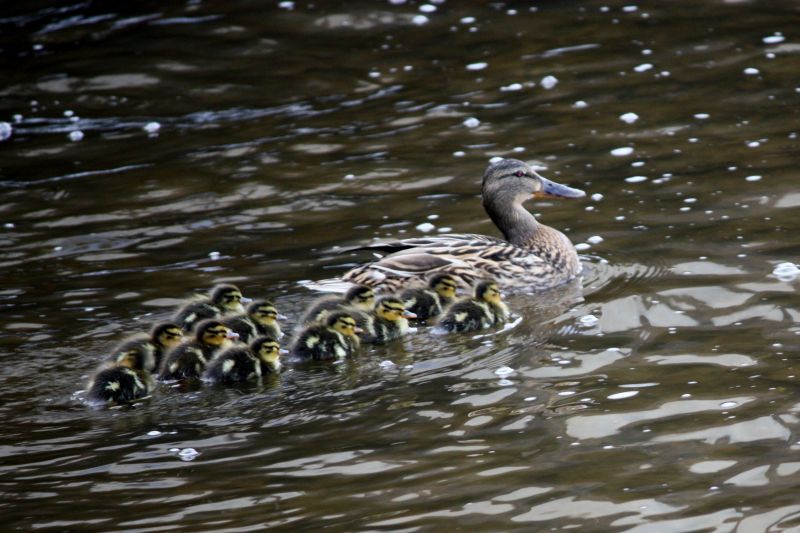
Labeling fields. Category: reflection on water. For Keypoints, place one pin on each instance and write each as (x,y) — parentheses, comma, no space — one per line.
(150,152)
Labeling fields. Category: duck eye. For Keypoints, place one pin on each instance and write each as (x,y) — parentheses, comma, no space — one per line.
(519,173)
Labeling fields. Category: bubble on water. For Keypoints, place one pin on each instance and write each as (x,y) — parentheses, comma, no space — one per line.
(69,113)
(387,364)
(597,197)
(5,131)
(75,135)
(689,200)
(445,229)
(728,405)
(548,82)
(152,127)
(786,271)
(588,320)
(432,217)
(467,20)
(629,118)
(420,20)
(623,395)
(427,8)
(214,255)
(566,393)
(630,9)
(480,65)
(619,217)
(286,5)
(459,153)
(622,151)
(644,67)
(188,454)
(595,239)
(581,246)
(636,179)
(701,116)
(750,71)
(637,164)
(647,52)
(753,178)
(472,122)
(426,227)
(774,39)
(511,87)
(9,225)
(504,371)
(580,104)
(505,382)
(153,433)
(753,144)
(518,149)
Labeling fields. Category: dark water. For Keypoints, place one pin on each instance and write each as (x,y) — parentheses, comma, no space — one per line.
(246,141)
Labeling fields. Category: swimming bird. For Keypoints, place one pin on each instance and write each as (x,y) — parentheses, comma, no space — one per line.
(245,363)
(335,339)
(261,318)
(357,298)
(125,377)
(429,302)
(222,300)
(483,310)
(164,336)
(388,321)
(531,255)
(189,359)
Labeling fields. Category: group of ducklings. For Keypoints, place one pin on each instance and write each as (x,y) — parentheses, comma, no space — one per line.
(219,340)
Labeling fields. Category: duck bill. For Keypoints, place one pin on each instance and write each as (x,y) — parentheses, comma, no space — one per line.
(551,189)
(409,314)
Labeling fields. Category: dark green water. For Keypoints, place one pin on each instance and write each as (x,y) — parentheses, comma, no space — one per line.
(246,141)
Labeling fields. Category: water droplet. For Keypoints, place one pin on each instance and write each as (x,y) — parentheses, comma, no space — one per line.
(623,151)
(153,433)
(580,104)
(588,320)
(636,179)
(728,405)
(5,131)
(426,227)
(753,178)
(786,271)
(629,118)
(623,395)
(548,82)
(511,87)
(477,66)
(774,39)
(644,67)
(420,20)
(472,122)
(750,71)
(504,371)
(152,127)
(75,135)
(188,454)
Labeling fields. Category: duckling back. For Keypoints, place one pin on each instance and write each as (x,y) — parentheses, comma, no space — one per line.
(185,361)
(467,315)
(320,343)
(233,365)
(118,384)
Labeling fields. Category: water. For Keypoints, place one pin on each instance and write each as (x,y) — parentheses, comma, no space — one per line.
(157,150)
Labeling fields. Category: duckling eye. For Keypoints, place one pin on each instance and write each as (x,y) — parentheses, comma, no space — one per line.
(519,173)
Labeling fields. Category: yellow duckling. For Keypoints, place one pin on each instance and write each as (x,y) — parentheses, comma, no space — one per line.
(336,339)
(358,298)
(245,363)
(261,319)
(389,321)
(222,300)
(483,310)
(126,376)
(430,302)
(164,336)
(189,359)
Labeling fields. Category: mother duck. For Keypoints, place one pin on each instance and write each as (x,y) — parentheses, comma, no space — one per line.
(533,256)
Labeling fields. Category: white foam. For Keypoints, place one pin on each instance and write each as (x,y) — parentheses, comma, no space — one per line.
(472,122)
(480,65)
(622,151)
(548,82)
(629,118)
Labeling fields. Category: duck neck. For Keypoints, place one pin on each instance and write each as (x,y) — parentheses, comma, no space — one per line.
(519,227)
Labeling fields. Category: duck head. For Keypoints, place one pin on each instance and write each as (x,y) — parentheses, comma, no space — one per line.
(444,285)
(488,291)
(166,335)
(136,353)
(267,350)
(360,297)
(345,324)
(228,298)
(392,309)
(214,333)
(263,312)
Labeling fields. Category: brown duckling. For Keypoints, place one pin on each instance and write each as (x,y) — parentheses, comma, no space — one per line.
(164,336)
(245,363)
(188,359)
(483,310)
(126,376)
(335,339)
(430,302)
(358,298)
(260,319)
(389,321)
(222,300)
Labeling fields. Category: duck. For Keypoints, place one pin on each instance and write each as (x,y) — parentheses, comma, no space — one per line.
(483,310)
(125,377)
(260,318)
(164,336)
(359,298)
(429,302)
(245,363)
(531,256)
(388,321)
(189,359)
(222,299)
(335,339)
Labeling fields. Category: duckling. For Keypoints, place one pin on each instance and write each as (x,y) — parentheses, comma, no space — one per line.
(242,363)
(357,298)
(223,299)
(483,310)
(188,359)
(336,338)
(389,321)
(125,377)
(261,318)
(430,302)
(164,336)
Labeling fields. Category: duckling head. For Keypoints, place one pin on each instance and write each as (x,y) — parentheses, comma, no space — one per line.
(166,335)
(344,323)
(360,297)
(488,291)
(213,333)
(444,285)
(267,350)
(136,353)
(228,298)
(263,312)
(391,308)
